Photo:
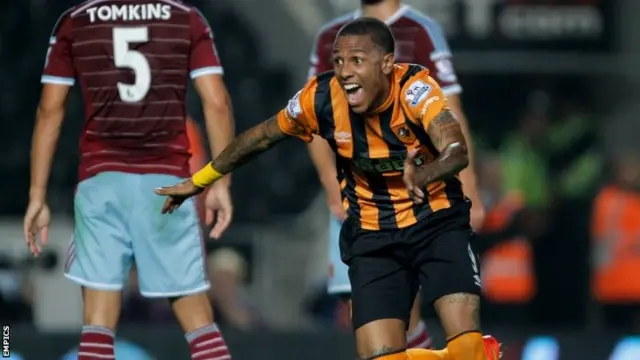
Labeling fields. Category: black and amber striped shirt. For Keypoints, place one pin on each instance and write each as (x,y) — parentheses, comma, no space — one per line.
(370,149)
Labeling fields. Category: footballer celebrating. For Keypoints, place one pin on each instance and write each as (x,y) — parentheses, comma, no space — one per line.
(422,42)
(399,149)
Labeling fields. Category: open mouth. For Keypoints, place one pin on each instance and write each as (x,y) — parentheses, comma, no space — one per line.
(355,94)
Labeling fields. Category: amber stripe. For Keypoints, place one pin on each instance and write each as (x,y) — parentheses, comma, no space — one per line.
(338,110)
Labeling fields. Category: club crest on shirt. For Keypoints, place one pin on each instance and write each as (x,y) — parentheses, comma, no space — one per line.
(417,91)
(404,134)
(294,108)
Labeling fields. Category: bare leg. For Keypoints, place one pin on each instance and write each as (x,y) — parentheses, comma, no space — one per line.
(415,319)
(380,339)
(460,317)
(414,323)
(418,334)
(195,315)
(193,311)
(101,311)
(101,308)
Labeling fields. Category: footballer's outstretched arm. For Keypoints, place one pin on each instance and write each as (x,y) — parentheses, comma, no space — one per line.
(248,145)
(297,119)
(447,136)
(243,148)
(49,117)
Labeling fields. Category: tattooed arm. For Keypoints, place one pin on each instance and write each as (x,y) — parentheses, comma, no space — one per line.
(446,135)
(245,147)
(297,119)
(248,145)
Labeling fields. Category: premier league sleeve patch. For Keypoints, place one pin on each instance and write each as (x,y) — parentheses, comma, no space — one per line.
(294,108)
(416,92)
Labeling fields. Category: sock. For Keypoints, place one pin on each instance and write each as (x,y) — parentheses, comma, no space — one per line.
(419,337)
(467,346)
(207,343)
(96,342)
(423,354)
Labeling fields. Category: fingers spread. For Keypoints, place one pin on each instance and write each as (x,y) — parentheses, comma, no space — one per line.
(168,203)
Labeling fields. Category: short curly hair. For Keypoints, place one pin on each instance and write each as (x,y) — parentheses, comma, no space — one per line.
(379,31)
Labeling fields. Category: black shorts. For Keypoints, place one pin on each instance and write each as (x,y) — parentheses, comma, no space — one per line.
(386,268)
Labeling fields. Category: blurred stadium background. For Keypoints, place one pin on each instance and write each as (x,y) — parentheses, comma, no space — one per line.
(550,89)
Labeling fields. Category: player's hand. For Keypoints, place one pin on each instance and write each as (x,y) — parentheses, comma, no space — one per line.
(36,222)
(334,201)
(218,207)
(177,194)
(477,212)
(412,179)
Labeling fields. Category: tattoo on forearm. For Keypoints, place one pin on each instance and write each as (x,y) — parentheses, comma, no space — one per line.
(248,145)
(445,129)
(447,137)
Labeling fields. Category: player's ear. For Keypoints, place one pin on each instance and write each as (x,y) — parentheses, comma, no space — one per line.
(387,63)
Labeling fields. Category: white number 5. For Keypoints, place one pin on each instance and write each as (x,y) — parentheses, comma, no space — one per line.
(124,57)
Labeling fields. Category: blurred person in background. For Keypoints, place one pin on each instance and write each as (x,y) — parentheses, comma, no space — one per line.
(421,41)
(524,158)
(227,271)
(576,165)
(506,254)
(134,139)
(408,220)
(576,160)
(615,236)
(525,175)
(552,163)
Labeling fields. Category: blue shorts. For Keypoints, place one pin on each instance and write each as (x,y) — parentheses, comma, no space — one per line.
(117,219)
(338,272)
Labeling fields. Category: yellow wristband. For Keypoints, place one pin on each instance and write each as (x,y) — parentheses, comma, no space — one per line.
(206,176)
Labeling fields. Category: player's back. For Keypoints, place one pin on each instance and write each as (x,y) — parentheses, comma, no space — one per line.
(133,59)
(419,40)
